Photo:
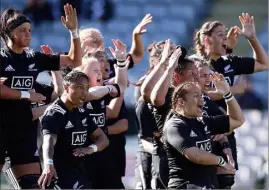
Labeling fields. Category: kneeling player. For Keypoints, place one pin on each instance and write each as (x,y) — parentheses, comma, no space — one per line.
(66,129)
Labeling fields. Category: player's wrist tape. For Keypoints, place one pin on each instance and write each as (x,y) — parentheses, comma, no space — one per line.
(25,95)
(225,145)
(110,88)
(94,147)
(121,63)
(228,96)
(221,162)
(74,33)
(48,162)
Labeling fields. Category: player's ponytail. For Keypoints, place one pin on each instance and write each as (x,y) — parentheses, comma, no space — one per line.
(205,30)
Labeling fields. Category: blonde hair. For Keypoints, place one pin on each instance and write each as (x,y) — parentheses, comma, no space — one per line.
(89,32)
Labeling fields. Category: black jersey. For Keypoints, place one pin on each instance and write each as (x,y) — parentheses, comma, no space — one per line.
(210,108)
(160,113)
(21,71)
(117,144)
(146,123)
(72,130)
(45,90)
(98,110)
(231,66)
(113,61)
(181,133)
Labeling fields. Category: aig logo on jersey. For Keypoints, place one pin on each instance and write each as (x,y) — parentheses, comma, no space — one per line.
(79,138)
(22,82)
(99,119)
(204,145)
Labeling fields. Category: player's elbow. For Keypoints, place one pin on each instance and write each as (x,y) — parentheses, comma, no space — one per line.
(156,101)
(137,57)
(112,115)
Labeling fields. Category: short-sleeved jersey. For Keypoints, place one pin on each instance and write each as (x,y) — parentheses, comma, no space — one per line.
(160,113)
(45,90)
(21,71)
(181,133)
(113,61)
(231,66)
(146,122)
(117,144)
(210,108)
(98,110)
(72,128)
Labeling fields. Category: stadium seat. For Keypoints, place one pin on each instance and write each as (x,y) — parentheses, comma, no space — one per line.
(120,26)
(157,11)
(128,11)
(185,12)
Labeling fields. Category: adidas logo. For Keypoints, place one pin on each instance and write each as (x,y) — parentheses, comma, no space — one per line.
(193,134)
(84,122)
(69,125)
(89,106)
(9,68)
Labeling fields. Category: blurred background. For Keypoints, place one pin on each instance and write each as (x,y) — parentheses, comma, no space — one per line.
(176,20)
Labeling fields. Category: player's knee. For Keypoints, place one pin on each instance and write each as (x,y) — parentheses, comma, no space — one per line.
(29,181)
(226,181)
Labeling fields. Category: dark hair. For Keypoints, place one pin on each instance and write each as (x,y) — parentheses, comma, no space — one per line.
(183,62)
(205,30)
(199,63)
(10,19)
(179,92)
(73,76)
(65,70)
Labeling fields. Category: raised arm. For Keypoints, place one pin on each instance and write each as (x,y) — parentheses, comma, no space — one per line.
(239,87)
(236,117)
(259,53)
(121,79)
(137,49)
(98,92)
(73,59)
(155,75)
(160,90)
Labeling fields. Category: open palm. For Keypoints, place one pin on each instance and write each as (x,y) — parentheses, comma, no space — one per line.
(248,26)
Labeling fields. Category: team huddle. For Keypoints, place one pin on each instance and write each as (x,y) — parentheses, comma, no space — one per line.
(70,134)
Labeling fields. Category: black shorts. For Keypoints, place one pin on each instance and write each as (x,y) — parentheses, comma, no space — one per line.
(19,145)
(143,170)
(217,149)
